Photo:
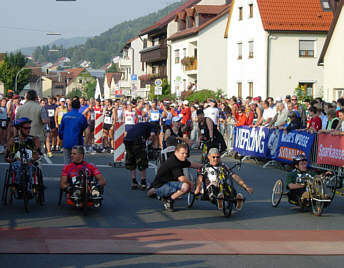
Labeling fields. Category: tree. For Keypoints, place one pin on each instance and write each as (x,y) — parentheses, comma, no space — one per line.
(113,68)
(9,68)
(90,89)
(73,93)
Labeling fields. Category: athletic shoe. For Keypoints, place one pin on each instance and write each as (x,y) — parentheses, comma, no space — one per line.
(134,185)
(220,201)
(168,204)
(239,202)
(112,151)
(143,185)
(50,155)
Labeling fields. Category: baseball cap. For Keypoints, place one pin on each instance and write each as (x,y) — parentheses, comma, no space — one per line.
(186,102)
(176,119)
(62,99)
(288,97)
(278,99)
(214,151)
(16,97)
(212,100)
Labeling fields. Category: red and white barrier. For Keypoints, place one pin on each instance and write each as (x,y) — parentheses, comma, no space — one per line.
(119,143)
(98,129)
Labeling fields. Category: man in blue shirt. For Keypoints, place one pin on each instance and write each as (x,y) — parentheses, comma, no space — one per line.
(83,105)
(135,146)
(71,129)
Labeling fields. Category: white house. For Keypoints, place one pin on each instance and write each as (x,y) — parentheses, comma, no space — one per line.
(111,81)
(273,47)
(198,48)
(332,57)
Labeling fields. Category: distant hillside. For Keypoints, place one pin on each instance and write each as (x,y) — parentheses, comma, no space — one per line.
(101,49)
(65,42)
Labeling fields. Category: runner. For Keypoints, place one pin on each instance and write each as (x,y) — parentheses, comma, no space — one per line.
(50,107)
(59,113)
(108,126)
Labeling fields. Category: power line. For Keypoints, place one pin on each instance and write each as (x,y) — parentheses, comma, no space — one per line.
(23,29)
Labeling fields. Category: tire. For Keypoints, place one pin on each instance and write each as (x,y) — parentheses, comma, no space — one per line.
(190,199)
(330,184)
(277,193)
(227,204)
(5,188)
(317,189)
(85,194)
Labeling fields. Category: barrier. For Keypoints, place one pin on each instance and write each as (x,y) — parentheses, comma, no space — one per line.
(119,152)
(98,129)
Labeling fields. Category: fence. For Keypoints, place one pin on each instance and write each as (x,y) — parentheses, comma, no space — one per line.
(276,146)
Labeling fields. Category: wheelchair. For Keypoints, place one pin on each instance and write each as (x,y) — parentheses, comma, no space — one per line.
(317,200)
(26,189)
(83,192)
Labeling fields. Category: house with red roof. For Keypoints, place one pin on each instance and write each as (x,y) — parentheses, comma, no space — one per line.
(198,48)
(274,46)
(332,57)
(111,81)
(77,79)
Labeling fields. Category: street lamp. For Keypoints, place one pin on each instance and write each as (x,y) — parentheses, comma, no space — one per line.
(16,79)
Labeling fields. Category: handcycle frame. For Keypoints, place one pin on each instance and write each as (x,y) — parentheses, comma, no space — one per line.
(85,199)
(313,185)
(228,190)
(9,187)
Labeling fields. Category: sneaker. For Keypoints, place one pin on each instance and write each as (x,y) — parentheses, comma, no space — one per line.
(239,202)
(151,193)
(220,201)
(103,151)
(143,185)
(168,204)
(112,151)
(134,185)
(50,154)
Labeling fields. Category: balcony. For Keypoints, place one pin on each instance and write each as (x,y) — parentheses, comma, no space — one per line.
(191,67)
(124,84)
(154,54)
(124,62)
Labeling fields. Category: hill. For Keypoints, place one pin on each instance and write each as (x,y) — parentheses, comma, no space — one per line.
(99,50)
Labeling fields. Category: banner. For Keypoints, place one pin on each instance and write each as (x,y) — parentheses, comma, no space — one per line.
(251,141)
(291,144)
(330,150)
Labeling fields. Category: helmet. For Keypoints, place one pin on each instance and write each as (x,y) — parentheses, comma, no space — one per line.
(298,158)
(20,121)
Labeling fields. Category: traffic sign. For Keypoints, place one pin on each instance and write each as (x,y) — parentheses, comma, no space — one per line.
(134,77)
(158,91)
(158,82)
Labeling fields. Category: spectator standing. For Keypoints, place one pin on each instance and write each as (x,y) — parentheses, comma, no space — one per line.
(300,109)
(71,129)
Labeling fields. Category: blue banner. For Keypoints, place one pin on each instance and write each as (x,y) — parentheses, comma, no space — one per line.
(251,141)
(283,146)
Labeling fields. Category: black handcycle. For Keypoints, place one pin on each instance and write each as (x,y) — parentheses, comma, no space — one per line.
(226,186)
(27,188)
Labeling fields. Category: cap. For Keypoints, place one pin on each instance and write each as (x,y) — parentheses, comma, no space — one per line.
(278,99)
(256,99)
(213,151)
(176,119)
(16,97)
(212,100)
(173,105)
(288,97)
(186,102)
(62,99)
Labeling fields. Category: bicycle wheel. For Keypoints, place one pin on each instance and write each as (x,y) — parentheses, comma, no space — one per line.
(85,194)
(190,199)
(330,185)
(277,192)
(5,188)
(227,205)
(317,191)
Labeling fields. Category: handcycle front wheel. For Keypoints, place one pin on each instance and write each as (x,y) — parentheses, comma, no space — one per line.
(317,190)
(227,205)
(277,193)
(85,195)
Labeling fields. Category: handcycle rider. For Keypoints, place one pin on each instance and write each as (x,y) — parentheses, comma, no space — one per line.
(32,148)
(71,172)
(209,174)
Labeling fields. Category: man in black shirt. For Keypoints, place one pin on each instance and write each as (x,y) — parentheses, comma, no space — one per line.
(135,146)
(170,181)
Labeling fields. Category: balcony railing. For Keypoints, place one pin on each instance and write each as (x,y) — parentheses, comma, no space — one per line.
(191,67)
(154,54)
(124,62)
(151,81)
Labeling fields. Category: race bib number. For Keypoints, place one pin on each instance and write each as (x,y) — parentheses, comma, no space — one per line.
(51,112)
(3,123)
(93,116)
(202,131)
(155,116)
(28,154)
(140,118)
(107,120)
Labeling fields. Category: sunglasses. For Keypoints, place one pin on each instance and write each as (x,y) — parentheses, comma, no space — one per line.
(293,99)
(215,157)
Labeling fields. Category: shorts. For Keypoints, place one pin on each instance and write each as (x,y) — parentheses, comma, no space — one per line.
(91,125)
(168,189)
(52,124)
(107,126)
(3,123)
(136,156)
(128,127)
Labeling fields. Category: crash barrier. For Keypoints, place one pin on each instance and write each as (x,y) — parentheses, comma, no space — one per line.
(324,151)
(98,129)
(119,151)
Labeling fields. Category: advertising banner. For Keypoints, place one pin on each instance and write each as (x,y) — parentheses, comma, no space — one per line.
(330,150)
(291,144)
(251,141)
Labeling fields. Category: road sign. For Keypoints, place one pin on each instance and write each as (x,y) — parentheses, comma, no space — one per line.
(158,82)
(134,77)
(158,91)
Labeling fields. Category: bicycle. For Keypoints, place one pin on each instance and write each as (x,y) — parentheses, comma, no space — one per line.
(226,186)
(83,193)
(26,189)
(314,186)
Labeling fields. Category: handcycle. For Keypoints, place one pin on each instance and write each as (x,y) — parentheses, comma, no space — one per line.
(83,193)
(334,184)
(204,146)
(26,189)
(226,186)
(314,185)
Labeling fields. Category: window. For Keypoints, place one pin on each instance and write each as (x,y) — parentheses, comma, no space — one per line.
(250,49)
(184,52)
(250,89)
(306,48)
(240,13)
(239,51)
(251,10)
(80,81)
(176,56)
(239,89)
(325,5)
(195,53)
(307,88)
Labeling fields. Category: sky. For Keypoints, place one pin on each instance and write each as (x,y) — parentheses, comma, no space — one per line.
(25,23)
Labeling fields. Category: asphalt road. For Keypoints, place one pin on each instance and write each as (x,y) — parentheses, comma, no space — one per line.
(124,208)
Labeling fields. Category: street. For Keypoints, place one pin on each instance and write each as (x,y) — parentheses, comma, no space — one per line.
(138,231)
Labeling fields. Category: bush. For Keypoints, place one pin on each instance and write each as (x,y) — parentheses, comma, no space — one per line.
(202,95)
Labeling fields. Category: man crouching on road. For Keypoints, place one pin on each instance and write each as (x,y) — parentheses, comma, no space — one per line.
(170,181)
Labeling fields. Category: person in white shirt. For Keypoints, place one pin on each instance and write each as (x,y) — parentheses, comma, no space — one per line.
(212,111)
(268,114)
